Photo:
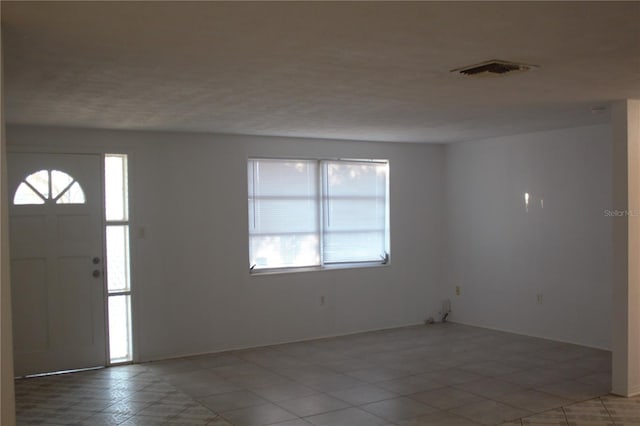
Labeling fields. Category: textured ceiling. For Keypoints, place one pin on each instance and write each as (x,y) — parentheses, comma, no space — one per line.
(346,70)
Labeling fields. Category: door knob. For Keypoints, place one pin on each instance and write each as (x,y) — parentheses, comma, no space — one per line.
(96,273)
(96,260)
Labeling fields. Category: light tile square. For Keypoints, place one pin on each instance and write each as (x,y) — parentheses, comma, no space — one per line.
(446,398)
(313,404)
(258,415)
(363,394)
(398,408)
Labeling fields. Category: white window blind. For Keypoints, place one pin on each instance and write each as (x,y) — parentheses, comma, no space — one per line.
(283,213)
(317,212)
(354,198)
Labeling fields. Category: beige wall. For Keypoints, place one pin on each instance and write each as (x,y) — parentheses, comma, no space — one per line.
(7,399)
(626,248)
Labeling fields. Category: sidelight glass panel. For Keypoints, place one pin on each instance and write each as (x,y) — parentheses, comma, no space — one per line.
(116,193)
(117,258)
(120,328)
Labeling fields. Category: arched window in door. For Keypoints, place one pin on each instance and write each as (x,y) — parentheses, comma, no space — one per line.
(51,186)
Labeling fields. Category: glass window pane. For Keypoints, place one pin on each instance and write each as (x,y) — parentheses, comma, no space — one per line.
(73,195)
(40,181)
(117,258)
(25,196)
(283,177)
(119,328)
(292,222)
(355,210)
(116,187)
(350,214)
(284,250)
(59,182)
(283,213)
(353,246)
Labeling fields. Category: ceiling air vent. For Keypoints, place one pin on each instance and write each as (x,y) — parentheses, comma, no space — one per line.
(494,67)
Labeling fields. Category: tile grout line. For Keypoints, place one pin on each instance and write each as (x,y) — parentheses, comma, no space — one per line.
(607,410)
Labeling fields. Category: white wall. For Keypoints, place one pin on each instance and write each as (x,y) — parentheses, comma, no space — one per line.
(193,292)
(502,256)
(462,203)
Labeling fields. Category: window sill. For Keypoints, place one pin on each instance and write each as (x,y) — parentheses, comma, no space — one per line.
(332,267)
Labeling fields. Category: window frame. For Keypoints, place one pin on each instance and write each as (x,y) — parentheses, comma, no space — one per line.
(320,202)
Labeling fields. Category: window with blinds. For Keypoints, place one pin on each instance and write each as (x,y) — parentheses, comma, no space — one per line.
(317,213)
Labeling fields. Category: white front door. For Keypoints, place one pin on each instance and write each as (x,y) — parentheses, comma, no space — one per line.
(56,262)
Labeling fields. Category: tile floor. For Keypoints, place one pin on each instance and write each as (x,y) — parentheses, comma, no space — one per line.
(443,374)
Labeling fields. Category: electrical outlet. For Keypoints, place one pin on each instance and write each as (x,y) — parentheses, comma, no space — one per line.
(539,298)
(457,290)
